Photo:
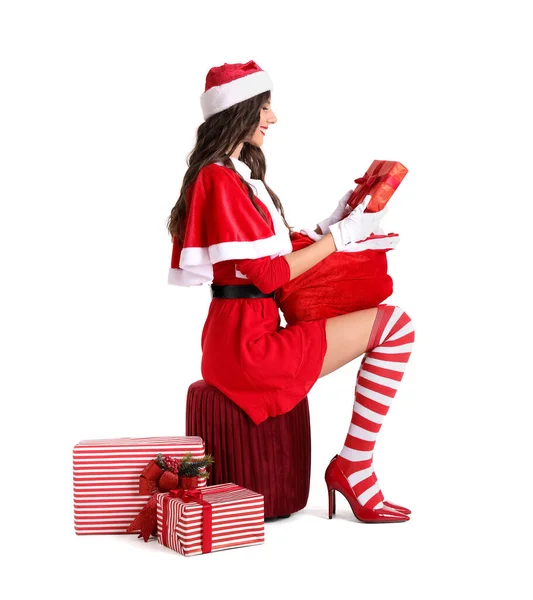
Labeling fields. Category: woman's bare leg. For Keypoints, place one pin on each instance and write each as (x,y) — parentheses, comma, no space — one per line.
(385,335)
(347,337)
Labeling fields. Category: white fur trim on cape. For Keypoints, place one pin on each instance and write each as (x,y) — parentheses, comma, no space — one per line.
(196,264)
(279,244)
(196,275)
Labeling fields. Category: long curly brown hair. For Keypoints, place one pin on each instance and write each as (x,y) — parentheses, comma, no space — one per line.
(216,140)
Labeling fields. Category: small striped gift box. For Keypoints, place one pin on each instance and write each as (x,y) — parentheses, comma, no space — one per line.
(223,516)
(106,478)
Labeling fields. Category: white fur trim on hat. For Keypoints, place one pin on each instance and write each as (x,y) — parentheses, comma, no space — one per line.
(223,96)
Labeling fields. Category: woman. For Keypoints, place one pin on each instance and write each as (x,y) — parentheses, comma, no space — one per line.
(229,227)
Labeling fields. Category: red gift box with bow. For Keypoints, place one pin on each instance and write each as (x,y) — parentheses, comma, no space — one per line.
(203,520)
(381,180)
(109,491)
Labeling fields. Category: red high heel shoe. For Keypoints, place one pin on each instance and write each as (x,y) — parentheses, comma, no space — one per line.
(336,481)
(391,505)
(397,507)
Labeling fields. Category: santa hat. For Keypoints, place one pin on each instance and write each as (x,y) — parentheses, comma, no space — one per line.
(230,84)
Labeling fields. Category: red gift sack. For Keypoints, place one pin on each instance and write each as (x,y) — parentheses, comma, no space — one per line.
(341,283)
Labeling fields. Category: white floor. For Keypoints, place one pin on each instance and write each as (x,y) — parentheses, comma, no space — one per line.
(441,553)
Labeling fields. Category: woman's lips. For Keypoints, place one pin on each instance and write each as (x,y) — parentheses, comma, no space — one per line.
(263,130)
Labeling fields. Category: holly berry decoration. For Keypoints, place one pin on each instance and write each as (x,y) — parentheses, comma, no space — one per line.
(168,463)
(169,477)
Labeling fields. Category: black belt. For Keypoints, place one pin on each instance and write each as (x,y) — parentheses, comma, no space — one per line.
(238,291)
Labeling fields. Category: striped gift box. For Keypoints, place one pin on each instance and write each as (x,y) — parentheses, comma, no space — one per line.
(237,519)
(106,478)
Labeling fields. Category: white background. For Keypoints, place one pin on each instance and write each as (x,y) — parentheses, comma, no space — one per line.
(99,107)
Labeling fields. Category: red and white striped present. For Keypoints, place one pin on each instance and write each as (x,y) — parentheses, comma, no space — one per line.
(227,516)
(106,478)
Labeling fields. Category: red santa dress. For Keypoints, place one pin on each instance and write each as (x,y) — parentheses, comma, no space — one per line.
(264,368)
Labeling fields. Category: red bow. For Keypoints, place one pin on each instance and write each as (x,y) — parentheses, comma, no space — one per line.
(367,181)
(363,188)
(191,495)
(152,480)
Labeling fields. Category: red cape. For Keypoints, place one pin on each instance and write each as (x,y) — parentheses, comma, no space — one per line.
(221,224)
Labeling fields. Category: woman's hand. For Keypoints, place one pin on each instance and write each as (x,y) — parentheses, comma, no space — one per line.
(338,214)
(357,226)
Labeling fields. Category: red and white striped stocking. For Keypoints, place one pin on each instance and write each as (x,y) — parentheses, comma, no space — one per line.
(378,378)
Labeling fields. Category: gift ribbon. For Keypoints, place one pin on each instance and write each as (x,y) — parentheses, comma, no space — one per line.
(195,495)
(149,478)
(192,495)
(149,484)
(189,495)
(368,181)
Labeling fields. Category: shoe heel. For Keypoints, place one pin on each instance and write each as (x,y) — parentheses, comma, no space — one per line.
(331,502)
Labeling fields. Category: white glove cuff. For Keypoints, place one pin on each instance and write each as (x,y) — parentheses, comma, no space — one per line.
(335,231)
(324,226)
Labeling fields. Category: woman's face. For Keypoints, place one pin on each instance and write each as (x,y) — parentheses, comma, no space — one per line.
(267,117)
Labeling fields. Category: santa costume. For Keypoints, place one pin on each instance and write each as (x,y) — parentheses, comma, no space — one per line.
(263,367)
